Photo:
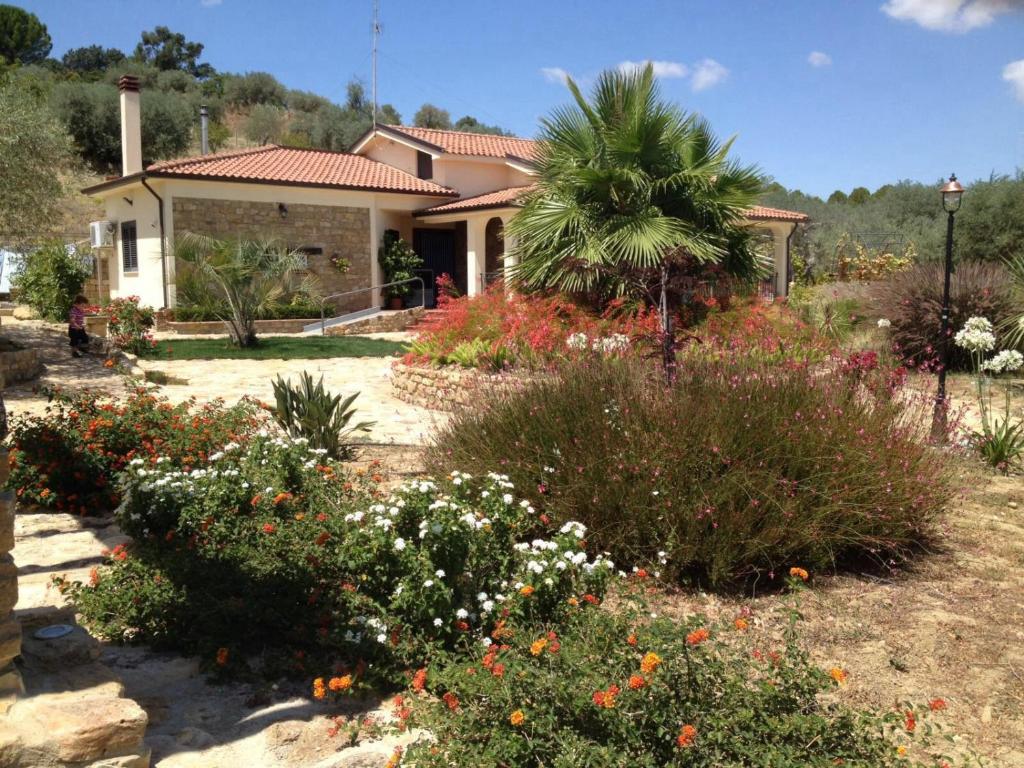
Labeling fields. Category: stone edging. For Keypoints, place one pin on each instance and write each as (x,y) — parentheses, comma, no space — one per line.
(449,387)
(19,365)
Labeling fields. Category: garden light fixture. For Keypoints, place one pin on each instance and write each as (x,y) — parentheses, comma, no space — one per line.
(952,194)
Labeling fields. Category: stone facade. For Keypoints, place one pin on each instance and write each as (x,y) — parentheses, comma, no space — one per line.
(335,230)
(386,322)
(19,365)
(451,387)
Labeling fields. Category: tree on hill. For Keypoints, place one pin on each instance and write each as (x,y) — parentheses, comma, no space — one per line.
(470,124)
(838,197)
(859,196)
(35,151)
(23,37)
(254,88)
(165,50)
(266,124)
(91,60)
(429,116)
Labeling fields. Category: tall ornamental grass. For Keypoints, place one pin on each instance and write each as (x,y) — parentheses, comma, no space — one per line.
(738,470)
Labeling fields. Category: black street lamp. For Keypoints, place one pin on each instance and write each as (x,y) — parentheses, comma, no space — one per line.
(952,193)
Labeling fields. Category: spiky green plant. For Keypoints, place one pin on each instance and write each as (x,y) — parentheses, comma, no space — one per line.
(310,411)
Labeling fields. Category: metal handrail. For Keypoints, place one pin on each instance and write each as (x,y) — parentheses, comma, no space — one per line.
(323,300)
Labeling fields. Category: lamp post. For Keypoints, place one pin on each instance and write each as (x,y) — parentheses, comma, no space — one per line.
(952,193)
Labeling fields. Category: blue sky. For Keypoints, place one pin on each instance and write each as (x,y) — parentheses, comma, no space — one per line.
(898,89)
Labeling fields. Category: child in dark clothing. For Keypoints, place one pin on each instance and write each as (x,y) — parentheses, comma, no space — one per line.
(79,339)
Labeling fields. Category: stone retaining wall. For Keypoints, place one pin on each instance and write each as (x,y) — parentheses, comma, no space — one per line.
(450,387)
(386,322)
(20,365)
(218,328)
(10,630)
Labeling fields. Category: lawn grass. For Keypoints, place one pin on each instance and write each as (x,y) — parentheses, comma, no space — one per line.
(276,348)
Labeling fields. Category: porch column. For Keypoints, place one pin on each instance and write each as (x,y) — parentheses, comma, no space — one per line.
(510,243)
(780,235)
(376,275)
(476,244)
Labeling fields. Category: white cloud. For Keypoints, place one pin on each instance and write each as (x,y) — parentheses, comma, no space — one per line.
(661,68)
(950,15)
(819,59)
(554,74)
(1013,73)
(707,73)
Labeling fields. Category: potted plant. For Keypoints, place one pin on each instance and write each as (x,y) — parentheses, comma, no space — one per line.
(398,262)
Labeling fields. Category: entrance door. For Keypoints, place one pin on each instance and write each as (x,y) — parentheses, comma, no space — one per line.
(437,249)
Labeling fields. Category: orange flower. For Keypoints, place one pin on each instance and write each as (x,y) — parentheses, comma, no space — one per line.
(282,497)
(44,493)
(910,723)
(269,528)
(517,718)
(256,499)
(526,591)
(838,674)
(687,735)
(798,573)
(538,646)
(108,363)
(498,670)
(419,680)
(318,688)
(222,657)
(698,636)
(632,640)
(649,662)
(636,682)
(451,700)
(396,758)
(573,602)
(742,624)
(340,683)
(94,577)
(606,699)
(937,704)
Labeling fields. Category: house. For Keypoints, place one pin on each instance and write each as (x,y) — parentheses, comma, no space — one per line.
(450,194)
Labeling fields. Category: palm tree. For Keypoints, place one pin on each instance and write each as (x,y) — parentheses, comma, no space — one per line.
(632,193)
(239,280)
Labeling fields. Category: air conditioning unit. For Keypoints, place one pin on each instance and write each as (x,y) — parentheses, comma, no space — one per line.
(101,234)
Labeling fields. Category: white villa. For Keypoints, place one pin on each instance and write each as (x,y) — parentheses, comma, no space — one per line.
(450,194)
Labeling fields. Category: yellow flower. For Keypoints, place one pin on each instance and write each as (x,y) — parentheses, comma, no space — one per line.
(742,624)
(517,718)
(901,750)
(319,691)
(538,646)
(650,662)
(838,674)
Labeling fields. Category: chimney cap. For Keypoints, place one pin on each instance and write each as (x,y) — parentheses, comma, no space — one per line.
(128,83)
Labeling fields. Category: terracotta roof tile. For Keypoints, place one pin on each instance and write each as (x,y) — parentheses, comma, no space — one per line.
(762,213)
(312,167)
(478,144)
(500,198)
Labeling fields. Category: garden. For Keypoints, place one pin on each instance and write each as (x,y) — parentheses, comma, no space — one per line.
(648,552)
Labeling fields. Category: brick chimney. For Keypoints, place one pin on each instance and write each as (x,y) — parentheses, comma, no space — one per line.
(131,125)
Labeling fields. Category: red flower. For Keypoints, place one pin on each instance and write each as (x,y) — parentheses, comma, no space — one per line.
(269,528)
(911,722)
(698,636)
(451,700)
(687,735)
(937,704)
(419,680)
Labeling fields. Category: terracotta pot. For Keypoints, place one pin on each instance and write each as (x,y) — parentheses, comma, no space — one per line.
(396,302)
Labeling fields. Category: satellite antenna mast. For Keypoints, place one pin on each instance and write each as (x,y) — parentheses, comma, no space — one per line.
(376,34)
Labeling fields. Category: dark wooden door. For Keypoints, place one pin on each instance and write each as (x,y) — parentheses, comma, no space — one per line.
(437,249)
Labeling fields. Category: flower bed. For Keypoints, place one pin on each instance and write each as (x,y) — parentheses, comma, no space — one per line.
(69,458)
(330,573)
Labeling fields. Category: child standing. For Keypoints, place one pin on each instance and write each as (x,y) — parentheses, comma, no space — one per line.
(79,339)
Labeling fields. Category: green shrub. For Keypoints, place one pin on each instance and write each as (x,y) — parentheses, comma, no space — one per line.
(398,262)
(622,690)
(912,302)
(50,279)
(739,468)
(298,308)
(130,325)
(267,548)
(309,411)
(70,457)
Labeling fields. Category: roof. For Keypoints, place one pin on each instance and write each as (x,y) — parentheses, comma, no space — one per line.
(501,198)
(288,166)
(465,143)
(763,213)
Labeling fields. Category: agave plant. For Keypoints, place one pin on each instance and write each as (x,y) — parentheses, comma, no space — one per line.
(239,280)
(310,411)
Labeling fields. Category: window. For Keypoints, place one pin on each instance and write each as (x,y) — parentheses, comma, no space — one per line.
(129,247)
(424,165)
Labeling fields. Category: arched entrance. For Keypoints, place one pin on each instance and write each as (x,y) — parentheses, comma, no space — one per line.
(494,250)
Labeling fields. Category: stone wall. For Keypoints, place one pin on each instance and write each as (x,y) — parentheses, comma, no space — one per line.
(218,328)
(451,387)
(10,630)
(386,322)
(19,365)
(337,230)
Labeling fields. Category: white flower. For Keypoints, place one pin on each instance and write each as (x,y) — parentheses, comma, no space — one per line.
(488,606)
(428,583)
(976,336)
(439,573)
(438,622)
(577,341)
(382,638)
(399,544)
(1007,361)
(884,323)
(462,613)
(507,498)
